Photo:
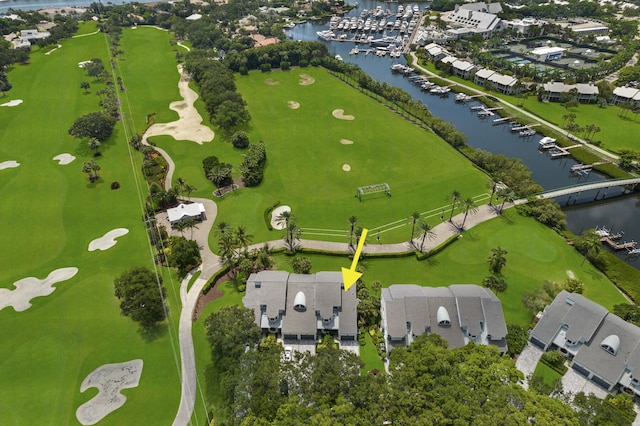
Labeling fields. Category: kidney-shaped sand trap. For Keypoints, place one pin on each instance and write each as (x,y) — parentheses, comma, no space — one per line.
(274,216)
(109,379)
(12,103)
(31,287)
(306,80)
(64,159)
(346,142)
(9,164)
(293,104)
(108,240)
(339,113)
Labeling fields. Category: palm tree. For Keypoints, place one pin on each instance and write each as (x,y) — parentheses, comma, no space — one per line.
(189,189)
(352,223)
(91,168)
(454,198)
(223,229)
(243,239)
(227,247)
(493,185)
(469,206)
(190,224)
(414,218)
(507,195)
(179,185)
(292,233)
(284,218)
(180,227)
(425,231)
(94,144)
(591,242)
(497,260)
(263,258)
(497,284)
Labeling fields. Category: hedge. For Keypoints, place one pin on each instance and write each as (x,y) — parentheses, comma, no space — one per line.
(267,214)
(438,249)
(212,281)
(558,369)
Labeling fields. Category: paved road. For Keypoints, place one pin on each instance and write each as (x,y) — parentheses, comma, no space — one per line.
(602,152)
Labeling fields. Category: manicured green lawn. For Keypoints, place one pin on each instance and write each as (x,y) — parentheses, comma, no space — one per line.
(535,254)
(51,214)
(369,356)
(547,373)
(305,159)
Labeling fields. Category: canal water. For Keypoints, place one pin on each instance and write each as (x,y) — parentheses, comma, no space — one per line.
(611,210)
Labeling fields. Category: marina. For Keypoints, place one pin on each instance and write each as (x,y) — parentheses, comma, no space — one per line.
(613,240)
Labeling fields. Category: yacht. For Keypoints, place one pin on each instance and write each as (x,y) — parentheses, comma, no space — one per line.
(326,35)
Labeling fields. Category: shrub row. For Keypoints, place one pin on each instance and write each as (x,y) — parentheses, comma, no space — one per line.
(267,215)
(438,249)
(212,281)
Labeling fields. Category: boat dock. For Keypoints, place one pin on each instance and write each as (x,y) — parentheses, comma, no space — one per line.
(581,169)
(525,127)
(503,120)
(630,245)
(559,152)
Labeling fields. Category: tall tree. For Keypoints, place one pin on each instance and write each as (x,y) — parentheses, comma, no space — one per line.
(94,145)
(284,218)
(243,238)
(497,260)
(454,198)
(141,296)
(492,184)
(425,231)
(352,224)
(414,218)
(469,206)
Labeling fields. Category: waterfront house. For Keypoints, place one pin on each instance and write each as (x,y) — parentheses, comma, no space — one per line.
(585,93)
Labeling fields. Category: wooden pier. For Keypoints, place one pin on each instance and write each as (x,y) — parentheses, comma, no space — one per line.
(525,127)
(611,242)
(502,120)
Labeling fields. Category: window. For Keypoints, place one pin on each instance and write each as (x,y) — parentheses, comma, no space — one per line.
(258,284)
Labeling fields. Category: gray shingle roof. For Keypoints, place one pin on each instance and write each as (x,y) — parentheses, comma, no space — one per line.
(608,366)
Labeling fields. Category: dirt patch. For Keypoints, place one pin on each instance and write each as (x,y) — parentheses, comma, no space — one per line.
(346,167)
(346,142)
(271,82)
(213,294)
(293,104)
(306,80)
(339,114)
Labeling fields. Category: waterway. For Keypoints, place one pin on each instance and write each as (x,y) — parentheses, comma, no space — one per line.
(612,210)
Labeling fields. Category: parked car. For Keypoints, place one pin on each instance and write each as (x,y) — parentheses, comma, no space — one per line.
(288,353)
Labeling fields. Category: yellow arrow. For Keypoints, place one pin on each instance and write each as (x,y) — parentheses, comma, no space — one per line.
(350,276)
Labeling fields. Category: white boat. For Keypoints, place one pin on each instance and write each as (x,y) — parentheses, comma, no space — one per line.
(338,57)
(547,141)
(462,97)
(289,26)
(326,35)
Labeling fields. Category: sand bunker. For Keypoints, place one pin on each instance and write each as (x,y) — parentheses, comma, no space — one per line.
(189,126)
(570,274)
(53,50)
(9,164)
(293,104)
(306,80)
(274,216)
(109,379)
(64,159)
(346,167)
(339,113)
(83,63)
(108,240)
(31,287)
(12,103)
(346,142)
(271,82)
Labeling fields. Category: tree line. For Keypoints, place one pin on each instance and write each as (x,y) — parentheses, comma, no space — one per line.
(429,384)
(224,104)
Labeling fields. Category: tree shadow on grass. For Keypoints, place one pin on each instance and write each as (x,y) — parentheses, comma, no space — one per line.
(431,262)
(150,334)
